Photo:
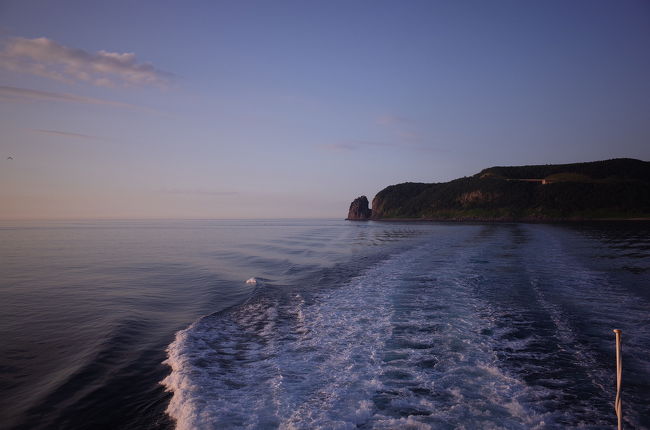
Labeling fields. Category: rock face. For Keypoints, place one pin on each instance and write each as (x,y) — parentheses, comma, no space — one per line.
(359,209)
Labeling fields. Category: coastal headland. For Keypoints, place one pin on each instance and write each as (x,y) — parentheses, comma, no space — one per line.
(608,190)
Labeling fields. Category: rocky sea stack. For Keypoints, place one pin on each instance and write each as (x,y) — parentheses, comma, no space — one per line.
(359,209)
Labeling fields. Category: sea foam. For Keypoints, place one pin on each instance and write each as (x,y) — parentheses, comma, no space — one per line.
(386,349)
(444,335)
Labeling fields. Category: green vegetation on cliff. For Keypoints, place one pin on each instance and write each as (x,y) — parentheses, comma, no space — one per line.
(618,188)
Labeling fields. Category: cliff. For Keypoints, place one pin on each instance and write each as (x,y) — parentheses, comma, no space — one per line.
(618,188)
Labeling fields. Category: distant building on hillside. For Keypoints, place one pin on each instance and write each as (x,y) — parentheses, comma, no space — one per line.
(541,181)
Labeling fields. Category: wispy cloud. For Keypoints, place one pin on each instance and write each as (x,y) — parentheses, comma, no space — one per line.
(338,146)
(409,136)
(65,134)
(400,133)
(200,192)
(49,59)
(14,94)
(409,142)
(353,145)
(403,128)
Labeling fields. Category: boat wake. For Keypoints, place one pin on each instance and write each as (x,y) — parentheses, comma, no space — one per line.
(424,339)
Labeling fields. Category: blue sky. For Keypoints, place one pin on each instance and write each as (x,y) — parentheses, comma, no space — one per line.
(236,109)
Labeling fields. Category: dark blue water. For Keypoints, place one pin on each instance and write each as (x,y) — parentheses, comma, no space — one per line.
(151,324)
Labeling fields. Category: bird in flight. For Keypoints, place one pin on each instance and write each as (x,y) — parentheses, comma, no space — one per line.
(10,158)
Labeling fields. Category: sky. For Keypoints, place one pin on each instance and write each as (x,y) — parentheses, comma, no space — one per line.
(291,109)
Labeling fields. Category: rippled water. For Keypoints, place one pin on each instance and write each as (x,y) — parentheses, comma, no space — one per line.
(350,325)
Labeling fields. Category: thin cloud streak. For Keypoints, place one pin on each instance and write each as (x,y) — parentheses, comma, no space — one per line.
(14,94)
(402,128)
(409,135)
(338,147)
(199,192)
(65,134)
(352,145)
(49,59)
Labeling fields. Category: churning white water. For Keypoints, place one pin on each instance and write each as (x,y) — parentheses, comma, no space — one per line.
(470,331)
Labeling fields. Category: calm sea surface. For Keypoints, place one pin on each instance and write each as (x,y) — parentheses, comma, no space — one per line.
(152,325)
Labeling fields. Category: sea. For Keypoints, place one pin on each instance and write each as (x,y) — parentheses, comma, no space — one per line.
(322,324)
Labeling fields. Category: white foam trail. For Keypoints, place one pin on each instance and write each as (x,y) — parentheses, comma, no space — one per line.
(281,364)
(411,343)
(386,350)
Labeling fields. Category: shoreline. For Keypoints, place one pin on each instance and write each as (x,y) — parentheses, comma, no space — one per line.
(506,220)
